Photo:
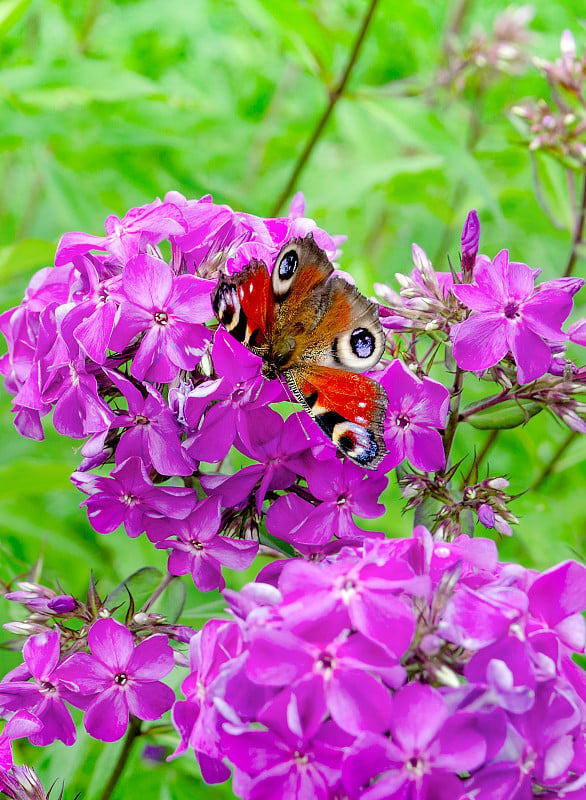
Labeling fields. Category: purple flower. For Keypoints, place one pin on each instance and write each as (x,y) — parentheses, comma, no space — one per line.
(511,315)
(153,434)
(45,694)
(130,497)
(344,490)
(196,547)
(22,724)
(277,444)
(120,679)
(240,392)
(125,237)
(429,746)
(169,310)
(416,408)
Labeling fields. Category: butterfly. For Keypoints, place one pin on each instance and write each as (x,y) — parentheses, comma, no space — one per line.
(317,332)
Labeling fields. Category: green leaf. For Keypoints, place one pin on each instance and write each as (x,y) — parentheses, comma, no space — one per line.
(508,414)
(141,585)
(11,12)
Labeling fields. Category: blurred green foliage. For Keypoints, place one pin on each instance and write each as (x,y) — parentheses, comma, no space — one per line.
(107,104)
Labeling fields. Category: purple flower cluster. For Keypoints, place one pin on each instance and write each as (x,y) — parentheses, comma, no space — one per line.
(401,669)
(120,343)
(115,680)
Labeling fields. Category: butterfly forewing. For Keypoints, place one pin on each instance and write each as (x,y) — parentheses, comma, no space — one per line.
(244,305)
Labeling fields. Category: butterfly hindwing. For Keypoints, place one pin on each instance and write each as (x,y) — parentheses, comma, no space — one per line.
(244,305)
(348,407)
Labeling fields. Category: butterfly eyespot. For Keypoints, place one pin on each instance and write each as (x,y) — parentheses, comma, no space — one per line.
(362,343)
(288,265)
(356,441)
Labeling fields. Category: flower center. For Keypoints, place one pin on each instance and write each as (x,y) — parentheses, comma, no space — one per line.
(402,421)
(140,419)
(161,318)
(129,499)
(238,393)
(342,499)
(325,662)
(121,679)
(301,758)
(415,766)
(47,688)
(512,311)
(195,544)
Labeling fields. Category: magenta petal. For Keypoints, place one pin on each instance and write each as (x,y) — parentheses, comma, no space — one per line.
(151,659)
(41,653)
(476,298)
(107,716)
(358,702)
(480,341)
(206,573)
(277,658)
(149,699)
(546,311)
(81,673)
(425,449)
(532,354)
(147,282)
(463,748)
(112,643)
(521,281)
(419,712)
(232,553)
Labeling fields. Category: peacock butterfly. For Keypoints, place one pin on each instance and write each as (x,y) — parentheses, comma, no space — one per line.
(317,332)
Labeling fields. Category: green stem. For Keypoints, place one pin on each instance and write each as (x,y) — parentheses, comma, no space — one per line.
(454,415)
(158,591)
(132,734)
(578,231)
(335,94)
(548,469)
(482,405)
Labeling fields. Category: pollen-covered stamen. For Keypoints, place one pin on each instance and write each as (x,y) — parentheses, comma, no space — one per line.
(140,419)
(161,318)
(46,687)
(121,679)
(129,499)
(512,311)
(195,544)
(402,421)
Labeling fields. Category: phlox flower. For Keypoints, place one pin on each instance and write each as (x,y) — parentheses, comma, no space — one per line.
(344,490)
(22,724)
(130,497)
(120,679)
(197,548)
(511,315)
(169,311)
(44,695)
(417,407)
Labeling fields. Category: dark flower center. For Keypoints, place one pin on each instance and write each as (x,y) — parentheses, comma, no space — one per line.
(195,544)
(47,688)
(325,662)
(140,419)
(342,499)
(416,765)
(121,679)
(512,311)
(161,318)
(402,421)
(301,758)
(238,393)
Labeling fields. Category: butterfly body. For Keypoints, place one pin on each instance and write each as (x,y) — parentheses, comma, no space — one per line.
(317,332)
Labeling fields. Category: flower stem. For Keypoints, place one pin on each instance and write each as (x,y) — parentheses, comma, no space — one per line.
(482,405)
(548,469)
(335,95)
(158,591)
(454,415)
(578,230)
(132,734)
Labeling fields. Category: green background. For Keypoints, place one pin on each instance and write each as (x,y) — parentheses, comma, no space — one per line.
(106,105)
